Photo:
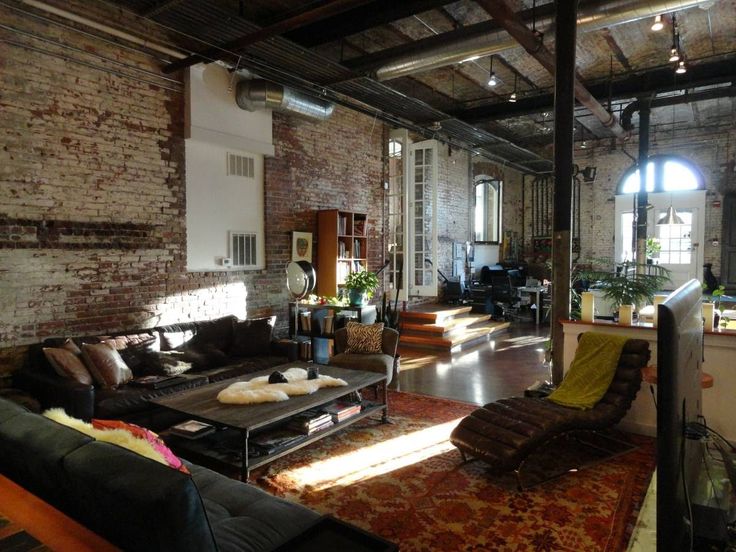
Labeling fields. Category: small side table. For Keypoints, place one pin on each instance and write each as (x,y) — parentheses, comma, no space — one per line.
(649,375)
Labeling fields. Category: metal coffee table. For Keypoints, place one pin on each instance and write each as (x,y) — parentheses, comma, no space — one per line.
(201,404)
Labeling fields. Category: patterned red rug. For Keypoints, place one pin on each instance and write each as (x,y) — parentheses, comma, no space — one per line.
(406,482)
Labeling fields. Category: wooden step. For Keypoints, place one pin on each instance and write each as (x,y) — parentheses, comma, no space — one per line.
(433,314)
(447,326)
(457,341)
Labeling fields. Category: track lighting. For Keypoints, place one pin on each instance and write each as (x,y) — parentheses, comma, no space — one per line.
(681,68)
(658,25)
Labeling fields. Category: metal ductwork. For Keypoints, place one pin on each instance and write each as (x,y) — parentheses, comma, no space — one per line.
(252,95)
(592,16)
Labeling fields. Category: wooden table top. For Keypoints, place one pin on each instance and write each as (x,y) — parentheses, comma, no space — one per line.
(201,402)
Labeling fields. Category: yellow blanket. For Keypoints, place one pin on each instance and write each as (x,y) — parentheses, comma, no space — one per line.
(591,371)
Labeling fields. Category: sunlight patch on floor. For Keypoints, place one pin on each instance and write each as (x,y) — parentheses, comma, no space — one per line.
(374,460)
(417,362)
(521,341)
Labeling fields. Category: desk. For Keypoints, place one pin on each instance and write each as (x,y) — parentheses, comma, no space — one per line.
(537,291)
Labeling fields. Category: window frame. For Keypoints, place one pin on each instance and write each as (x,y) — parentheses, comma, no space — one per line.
(658,161)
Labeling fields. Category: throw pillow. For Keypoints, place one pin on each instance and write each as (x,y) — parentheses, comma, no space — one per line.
(175,339)
(252,337)
(136,354)
(129,436)
(67,364)
(364,338)
(106,365)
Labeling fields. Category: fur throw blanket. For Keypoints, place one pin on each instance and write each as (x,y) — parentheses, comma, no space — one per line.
(258,390)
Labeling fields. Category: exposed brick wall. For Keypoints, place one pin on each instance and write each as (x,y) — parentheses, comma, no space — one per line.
(92,199)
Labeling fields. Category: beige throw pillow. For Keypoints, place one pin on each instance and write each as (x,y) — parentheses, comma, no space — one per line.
(106,365)
(67,364)
(364,338)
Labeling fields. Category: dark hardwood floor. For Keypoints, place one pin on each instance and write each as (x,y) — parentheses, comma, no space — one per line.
(502,367)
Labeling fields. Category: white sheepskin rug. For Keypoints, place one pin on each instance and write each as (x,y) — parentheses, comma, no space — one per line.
(258,390)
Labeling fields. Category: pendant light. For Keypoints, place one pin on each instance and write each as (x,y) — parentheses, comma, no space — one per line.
(681,67)
(492,80)
(670,218)
(658,25)
(512,97)
(675,50)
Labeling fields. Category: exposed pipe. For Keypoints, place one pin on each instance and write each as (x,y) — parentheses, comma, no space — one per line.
(262,94)
(104,28)
(503,14)
(591,17)
(711,94)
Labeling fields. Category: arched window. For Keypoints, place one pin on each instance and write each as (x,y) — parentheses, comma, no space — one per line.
(665,173)
(671,181)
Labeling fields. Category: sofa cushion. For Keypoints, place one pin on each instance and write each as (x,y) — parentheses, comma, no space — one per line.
(31,452)
(136,503)
(106,365)
(252,337)
(246,519)
(161,363)
(364,338)
(67,364)
(243,366)
(127,399)
(214,334)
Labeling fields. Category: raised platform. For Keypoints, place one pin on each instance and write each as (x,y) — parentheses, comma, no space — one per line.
(447,328)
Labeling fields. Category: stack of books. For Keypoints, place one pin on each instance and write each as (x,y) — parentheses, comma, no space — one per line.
(340,410)
(274,441)
(310,421)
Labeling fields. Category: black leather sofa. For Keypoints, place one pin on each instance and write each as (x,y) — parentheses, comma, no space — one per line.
(217,350)
(137,503)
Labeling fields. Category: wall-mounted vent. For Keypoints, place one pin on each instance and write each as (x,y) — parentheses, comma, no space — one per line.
(240,165)
(243,249)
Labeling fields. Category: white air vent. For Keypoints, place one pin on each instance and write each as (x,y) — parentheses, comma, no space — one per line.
(243,249)
(240,165)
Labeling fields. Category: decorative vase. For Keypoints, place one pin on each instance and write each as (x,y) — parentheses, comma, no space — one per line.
(626,315)
(357,297)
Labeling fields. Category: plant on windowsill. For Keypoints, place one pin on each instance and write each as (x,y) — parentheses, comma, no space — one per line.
(624,286)
(360,286)
(653,247)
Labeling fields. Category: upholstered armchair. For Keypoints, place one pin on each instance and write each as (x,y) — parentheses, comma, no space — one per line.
(381,363)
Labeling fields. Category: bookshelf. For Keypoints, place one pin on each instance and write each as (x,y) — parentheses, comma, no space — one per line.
(342,248)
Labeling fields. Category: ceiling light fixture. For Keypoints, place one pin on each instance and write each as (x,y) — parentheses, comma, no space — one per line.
(658,24)
(674,54)
(681,67)
(512,97)
(492,80)
(670,218)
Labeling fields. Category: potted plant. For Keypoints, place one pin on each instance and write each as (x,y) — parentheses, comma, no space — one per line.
(361,285)
(653,247)
(627,286)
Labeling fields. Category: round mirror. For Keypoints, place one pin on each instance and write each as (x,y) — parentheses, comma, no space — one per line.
(300,278)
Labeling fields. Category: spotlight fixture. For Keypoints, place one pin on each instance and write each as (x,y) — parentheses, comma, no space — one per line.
(681,68)
(674,54)
(658,25)
(492,80)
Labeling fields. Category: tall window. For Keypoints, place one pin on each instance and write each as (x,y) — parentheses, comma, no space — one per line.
(670,182)
(487,211)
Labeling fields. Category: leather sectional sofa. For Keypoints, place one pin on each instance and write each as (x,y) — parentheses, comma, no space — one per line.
(137,503)
(215,349)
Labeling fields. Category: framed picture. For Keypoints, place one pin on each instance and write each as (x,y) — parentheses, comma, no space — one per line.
(301,246)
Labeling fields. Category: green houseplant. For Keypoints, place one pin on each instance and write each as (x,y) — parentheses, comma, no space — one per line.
(361,285)
(653,247)
(627,286)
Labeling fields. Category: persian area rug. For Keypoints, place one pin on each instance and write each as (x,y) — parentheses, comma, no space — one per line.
(406,482)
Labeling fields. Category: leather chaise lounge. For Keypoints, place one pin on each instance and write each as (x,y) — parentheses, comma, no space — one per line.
(504,433)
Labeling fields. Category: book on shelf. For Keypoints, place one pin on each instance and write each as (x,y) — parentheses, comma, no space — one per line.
(157,382)
(329,324)
(342,410)
(275,440)
(192,429)
(342,224)
(310,421)
(359,227)
(305,350)
(305,321)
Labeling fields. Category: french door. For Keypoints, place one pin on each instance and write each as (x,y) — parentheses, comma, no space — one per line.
(423,218)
